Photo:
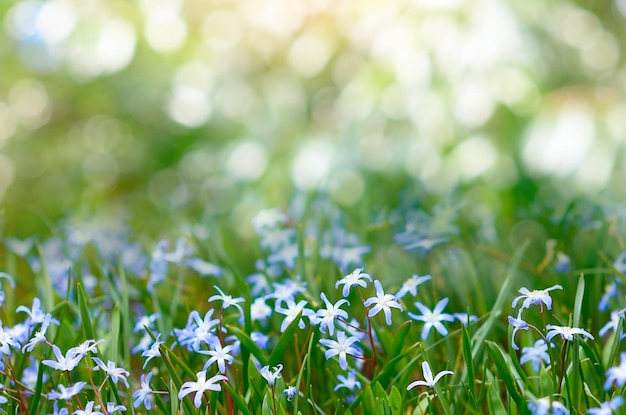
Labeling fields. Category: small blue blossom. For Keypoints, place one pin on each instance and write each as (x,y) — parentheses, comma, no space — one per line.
(65,362)
(348,382)
(535,297)
(545,406)
(290,392)
(616,316)
(617,374)
(227,300)
(518,324)
(465,318)
(563,263)
(536,354)
(204,268)
(259,310)
(271,375)
(146,321)
(410,285)
(153,351)
(610,291)
(89,410)
(607,408)
(566,333)
(342,347)
(220,355)
(67,393)
(328,315)
(113,372)
(356,277)
(432,318)
(291,313)
(144,394)
(260,339)
(382,302)
(200,386)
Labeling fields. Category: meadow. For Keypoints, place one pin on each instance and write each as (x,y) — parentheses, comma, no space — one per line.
(312,207)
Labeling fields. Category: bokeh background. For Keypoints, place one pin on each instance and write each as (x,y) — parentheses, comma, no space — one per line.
(161,112)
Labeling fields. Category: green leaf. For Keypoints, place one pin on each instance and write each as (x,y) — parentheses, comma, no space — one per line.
(499,359)
(613,345)
(286,338)
(248,344)
(34,403)
(84,312)
(114,340)
(469,364)
(177,382)
(395,401)
(478,340)
(241,404)
(266,407)
(494,400)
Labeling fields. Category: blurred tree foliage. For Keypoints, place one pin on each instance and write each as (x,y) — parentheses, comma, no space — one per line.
(170,111)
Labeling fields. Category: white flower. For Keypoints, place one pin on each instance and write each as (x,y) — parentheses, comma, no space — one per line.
(428,377)
(270,375)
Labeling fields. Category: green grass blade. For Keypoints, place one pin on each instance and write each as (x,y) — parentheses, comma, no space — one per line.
(84,313)
(248,343)
(175,381)
(241,404)
(469,364)
(478,340)
(285,339)
(504,370)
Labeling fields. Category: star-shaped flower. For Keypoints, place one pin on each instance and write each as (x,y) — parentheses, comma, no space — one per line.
(536,297)
(200,386)
(382,302)
(433,318)
(356,277)
(428,377)
(342,347)
(566,333)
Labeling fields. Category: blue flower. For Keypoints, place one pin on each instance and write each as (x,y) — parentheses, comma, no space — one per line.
(67,393)
(113,372)
(292,311)
(536,354)
(617,374)
(607,408)
(328,315)
(382,302)
(566,333)
(153,351)
(610,291)
(290,392)
(410,286)
(342,347)
(271,375)
(616,316)
(65,362)
(432,318)
(228,301)
(219,354)
(518,324)
(144,394)
(200,386)
(536,297)
(545,406)
(348,382)
(356,277)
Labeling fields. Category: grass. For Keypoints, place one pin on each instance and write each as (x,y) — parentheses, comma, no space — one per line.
(102,296)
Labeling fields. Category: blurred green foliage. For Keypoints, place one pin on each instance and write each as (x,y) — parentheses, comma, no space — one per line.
(184,111)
